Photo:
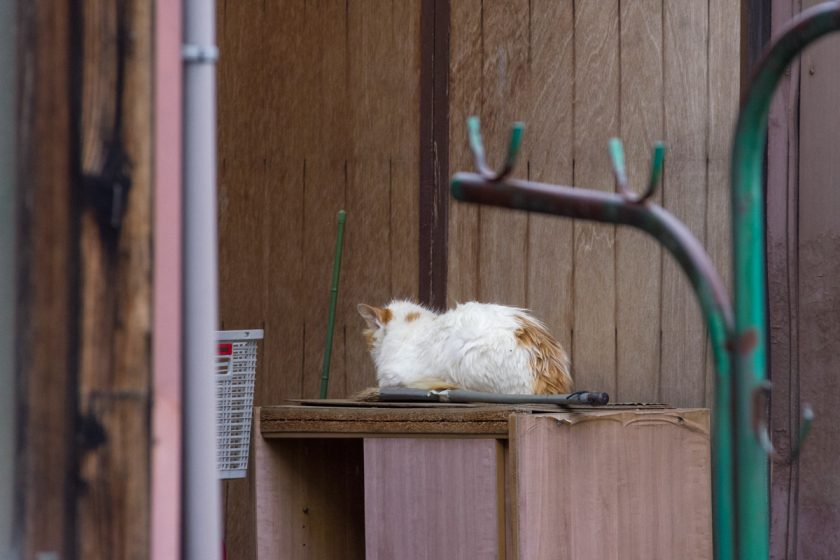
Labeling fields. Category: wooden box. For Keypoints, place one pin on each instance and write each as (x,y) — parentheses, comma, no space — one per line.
(482,482)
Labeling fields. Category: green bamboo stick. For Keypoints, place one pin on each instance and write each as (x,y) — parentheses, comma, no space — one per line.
(339,246)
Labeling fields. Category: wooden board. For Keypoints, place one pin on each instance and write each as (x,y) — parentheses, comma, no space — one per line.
(684,194)
(818,506)
(782,281)
(115,285)
(550,148)
(243,219)
(288,421)
(724,89)
(597,79)
(502,254)
(432,498)
(384,97)
(638,257)
(310,503)
(465,96)
(641,490)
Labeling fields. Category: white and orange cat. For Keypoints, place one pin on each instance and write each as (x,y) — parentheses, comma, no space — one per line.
(476,346)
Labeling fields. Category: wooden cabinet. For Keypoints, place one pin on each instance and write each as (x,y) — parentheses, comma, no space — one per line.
(480,482)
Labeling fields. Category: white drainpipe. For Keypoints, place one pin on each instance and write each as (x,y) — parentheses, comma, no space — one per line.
(202,515)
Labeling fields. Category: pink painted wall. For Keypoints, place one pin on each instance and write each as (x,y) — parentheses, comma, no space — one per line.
(166,336)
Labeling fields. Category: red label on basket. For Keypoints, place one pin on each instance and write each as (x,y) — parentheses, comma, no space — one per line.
(225,349)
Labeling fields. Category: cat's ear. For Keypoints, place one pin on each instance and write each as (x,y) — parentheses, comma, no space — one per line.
(370,314)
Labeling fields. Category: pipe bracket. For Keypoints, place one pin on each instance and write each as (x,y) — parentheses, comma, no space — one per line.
(200,54)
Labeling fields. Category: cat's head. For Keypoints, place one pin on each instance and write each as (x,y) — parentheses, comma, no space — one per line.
(396,316)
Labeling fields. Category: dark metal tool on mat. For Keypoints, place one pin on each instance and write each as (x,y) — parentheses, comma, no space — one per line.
(394,394)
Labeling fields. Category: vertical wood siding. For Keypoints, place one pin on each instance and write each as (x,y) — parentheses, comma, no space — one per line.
(579,73)
(802,234)
(318,111)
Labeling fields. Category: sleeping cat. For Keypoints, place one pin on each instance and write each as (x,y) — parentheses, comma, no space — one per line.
(476,346)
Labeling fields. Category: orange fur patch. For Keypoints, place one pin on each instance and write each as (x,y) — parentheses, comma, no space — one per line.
(413,316)
(548,360)
(384,315)
(369,338)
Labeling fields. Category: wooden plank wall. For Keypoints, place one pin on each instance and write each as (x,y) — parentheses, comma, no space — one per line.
(433,498)
(642,489)
(782,249)
(804,297)
(318,111)
(579,73)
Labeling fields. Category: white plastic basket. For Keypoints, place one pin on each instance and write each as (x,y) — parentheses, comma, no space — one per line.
(236,366)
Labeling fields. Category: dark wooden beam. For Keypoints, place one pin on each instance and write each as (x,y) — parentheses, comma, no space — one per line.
(755,35)
(434,151)
(47,303)
(84,304)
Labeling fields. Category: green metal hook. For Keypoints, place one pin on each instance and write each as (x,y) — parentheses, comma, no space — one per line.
(762,432)
(477,148)
(620,171)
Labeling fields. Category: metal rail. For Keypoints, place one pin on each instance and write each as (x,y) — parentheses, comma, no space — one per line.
(751,441)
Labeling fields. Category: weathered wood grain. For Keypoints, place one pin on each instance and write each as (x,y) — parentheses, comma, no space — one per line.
(638,257)
(274,419)
(435,19)
(378,96)
(782,282)
(818,506)
(724,88)
(549,133)
(323,183)
(503,255)
(47,302)
(596,119)
(115,283)
(642,489)
(367,268)
(403,105)
(682,367)
(403,243)
(465,96)
(431,498)
(309,499)
(244,211)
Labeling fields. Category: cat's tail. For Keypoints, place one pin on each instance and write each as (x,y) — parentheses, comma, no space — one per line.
(548,360)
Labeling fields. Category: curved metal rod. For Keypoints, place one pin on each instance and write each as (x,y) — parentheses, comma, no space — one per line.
(613,208)
(750,360)
(761,398)
(714,302)
(477,148)
(617,158)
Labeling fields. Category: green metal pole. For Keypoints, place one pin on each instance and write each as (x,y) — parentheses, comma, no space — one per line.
(749,348)
(339,246)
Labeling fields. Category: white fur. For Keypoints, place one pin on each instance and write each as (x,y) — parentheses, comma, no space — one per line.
(472,346)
